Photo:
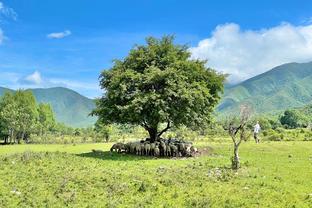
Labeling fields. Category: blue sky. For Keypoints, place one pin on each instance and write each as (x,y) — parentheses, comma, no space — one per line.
(68,43)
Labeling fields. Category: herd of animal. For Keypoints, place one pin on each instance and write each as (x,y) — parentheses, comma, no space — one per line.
(160,148)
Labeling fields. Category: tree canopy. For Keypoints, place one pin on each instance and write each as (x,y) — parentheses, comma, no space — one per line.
(46,117)
(20,115)
(294,119)
(158,83)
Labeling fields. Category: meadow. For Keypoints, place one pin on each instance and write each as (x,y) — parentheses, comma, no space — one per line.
(273,174)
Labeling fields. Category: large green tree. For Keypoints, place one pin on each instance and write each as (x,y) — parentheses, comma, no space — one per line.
(159,84)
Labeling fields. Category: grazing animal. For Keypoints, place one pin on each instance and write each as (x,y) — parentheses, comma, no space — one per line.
(194,149)
(174,150)
(153,145)
(163,148)
(138,149)
(188,150)
(142,149)
(156,151)
(181,148)
(127,147)
(118,147)
(147,148)
(132,148)
(168,150)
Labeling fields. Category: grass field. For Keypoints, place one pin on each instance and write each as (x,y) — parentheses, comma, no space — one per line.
(276,174)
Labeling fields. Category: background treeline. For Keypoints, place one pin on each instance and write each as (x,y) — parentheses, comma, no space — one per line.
(23,120)
(21,116)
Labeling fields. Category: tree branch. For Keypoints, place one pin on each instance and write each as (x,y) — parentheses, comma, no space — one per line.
(164,130)
(145,126)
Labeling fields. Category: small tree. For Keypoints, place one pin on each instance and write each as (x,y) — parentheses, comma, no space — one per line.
(159,84)
(238,131)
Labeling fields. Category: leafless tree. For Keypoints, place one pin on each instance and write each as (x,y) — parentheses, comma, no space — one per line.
(238,131)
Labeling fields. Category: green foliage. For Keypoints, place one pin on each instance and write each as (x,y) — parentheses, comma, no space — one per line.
(293,119)
(46,117)
(27,111)
(8,116)
(158,83)
(281,134)
(103,131)
(20,116)
(275,136)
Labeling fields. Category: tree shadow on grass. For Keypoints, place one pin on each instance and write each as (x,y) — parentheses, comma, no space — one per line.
(114,156)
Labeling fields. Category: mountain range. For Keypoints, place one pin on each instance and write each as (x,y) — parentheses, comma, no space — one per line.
(69,107)
(285,86)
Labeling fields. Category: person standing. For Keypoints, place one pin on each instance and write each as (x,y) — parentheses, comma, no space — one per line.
(257,129)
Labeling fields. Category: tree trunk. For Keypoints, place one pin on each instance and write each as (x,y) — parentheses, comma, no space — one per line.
(22,137)
(153,134)
(235,159)
(11,136)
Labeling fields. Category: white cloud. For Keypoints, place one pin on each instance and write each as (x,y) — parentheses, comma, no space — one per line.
(246,53)
(59,35)
(7,12)
(32,79)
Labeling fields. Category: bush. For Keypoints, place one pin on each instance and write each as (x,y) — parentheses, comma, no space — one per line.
(275,137)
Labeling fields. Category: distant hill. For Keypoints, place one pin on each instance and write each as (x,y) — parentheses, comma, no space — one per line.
(285,86)
(69,106)
(3,90)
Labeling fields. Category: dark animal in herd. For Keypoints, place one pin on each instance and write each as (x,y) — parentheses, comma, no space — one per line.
(161,148)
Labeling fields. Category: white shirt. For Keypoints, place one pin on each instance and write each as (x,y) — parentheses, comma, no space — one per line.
(257,128)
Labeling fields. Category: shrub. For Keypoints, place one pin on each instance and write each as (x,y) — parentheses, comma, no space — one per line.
(275,137)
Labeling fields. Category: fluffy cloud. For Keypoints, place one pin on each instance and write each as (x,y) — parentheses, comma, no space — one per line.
(59,35)
(32,79)
(246,53)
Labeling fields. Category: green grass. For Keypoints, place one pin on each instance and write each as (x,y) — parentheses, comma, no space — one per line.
(276,174)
